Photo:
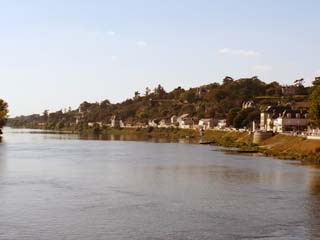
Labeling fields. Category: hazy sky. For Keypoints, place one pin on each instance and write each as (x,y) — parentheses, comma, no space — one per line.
(58,53)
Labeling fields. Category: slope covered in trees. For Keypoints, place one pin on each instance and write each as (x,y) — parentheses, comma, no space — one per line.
(209,101)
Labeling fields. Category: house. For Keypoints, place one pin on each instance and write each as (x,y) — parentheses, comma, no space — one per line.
(92,124)
(153,123)
(79,117)
(185,121)
(41,124)
(313,131)
(222,124)
(289,90)
(116,121)
(268,116)
(206,123)
(173,119)
(283,119)
(249,104)
(291,120)
(164,123)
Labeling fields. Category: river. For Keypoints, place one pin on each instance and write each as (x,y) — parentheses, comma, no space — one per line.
(58,186)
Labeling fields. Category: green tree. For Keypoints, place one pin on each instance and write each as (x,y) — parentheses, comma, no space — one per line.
(3,113)
(45,115)
(314,112)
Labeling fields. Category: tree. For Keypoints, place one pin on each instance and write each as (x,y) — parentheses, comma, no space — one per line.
(136,95)
(227,80)
(231,115)
(3,113)
(314,111)
(299,82)
(159,91)
(45,115)
(316,81)
(147,92)
(189,96)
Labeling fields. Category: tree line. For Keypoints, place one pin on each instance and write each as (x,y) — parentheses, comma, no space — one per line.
(215,100)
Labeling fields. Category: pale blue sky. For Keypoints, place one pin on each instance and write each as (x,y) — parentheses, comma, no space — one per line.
(58,53)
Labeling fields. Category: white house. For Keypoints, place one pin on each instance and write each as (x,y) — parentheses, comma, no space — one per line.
(116,121)
(206,123)
(291,120)
(249,104)
(185,121)
(173,119)
(164,123)
(283,119)
(222,124)
(153,123)
(92,124)
(268,116)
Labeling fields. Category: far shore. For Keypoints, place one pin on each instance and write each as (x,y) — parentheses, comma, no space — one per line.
(279,146)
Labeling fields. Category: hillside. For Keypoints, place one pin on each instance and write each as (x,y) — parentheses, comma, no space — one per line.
(209,101)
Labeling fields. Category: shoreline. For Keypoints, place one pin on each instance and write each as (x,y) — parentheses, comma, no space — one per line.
(279,146)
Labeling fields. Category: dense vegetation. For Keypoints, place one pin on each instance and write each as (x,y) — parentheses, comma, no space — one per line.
(210,101)
(3,113)
(315,106)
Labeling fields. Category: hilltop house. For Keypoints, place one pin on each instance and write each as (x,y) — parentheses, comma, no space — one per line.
(289,90)
(185,121)
(249,104)
(283,119)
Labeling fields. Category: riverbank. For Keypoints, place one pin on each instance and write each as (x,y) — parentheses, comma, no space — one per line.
(278,146)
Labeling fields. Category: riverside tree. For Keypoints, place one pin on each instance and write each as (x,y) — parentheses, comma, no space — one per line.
(3,113)
(314,112)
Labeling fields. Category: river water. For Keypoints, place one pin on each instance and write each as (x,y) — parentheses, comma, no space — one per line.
(61,187)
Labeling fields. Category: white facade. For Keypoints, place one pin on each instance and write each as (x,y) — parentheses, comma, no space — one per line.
(173,119)
(164,124)
(222,124)
(284,121)
(116,122)
(206,123)
(185,122)
(152,123)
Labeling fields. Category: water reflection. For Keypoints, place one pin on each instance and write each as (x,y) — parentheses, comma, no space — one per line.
(2,157)
(112,137)
(313,204)
(132,188)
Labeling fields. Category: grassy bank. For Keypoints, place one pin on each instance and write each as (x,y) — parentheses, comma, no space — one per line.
(228,138)
(279,146)
(292,147)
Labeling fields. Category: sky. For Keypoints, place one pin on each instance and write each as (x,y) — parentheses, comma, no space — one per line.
(59,53)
